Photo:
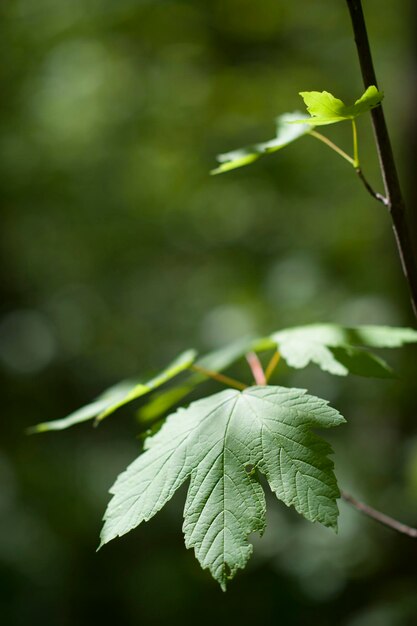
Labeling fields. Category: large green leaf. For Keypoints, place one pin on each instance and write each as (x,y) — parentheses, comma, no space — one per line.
(325,109)
(339,350)
(218,443)
(286,133)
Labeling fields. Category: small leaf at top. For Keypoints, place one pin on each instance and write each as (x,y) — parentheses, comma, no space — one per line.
(286,133)
(324,108)
(370,99)
(212,443)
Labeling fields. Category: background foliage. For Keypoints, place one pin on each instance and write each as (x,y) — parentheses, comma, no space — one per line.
(119,251)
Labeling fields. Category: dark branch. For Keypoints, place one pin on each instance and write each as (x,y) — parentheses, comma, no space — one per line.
(395,202)
(383,519)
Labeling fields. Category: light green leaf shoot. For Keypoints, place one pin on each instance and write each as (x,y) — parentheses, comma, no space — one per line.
(219,444)
(325,109)
(286,133)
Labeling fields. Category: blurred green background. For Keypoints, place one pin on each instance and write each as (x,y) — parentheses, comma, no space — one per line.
(119,250)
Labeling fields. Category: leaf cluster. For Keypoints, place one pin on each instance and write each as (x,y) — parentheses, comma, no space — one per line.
(323,109)
(222,443)
(338,350)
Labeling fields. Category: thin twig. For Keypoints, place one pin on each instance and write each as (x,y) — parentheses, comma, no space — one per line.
(355,145)
(383,519)
(378,196)
(221,378)
(270,368)
(256,368)
(330,144)
(395,202)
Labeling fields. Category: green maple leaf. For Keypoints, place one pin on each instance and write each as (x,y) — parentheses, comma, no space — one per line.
(325,109)
(286,133)
(340,350)
(217,443)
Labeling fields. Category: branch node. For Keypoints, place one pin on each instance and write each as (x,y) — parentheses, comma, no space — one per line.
(378,196)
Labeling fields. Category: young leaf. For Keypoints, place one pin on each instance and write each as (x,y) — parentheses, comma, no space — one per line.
(161,402)
(339,350)
(286,133)
(324,108)
(88,412)
(117,396)
(181,363)
(216,442)
(370,99)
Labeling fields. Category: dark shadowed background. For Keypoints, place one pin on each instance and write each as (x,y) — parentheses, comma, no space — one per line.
(118,251)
